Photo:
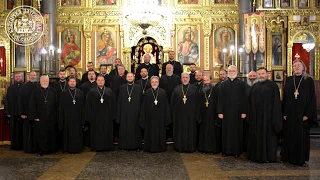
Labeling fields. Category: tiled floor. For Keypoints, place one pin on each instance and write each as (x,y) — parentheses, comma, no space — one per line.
(149,166)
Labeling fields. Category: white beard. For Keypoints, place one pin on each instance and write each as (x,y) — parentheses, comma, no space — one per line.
(232,77)
(169,73)
(262,79)
(251,83)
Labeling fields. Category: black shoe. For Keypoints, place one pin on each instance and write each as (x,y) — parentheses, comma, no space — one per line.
(238,155)
(223,155)
(40,154)
(303,165)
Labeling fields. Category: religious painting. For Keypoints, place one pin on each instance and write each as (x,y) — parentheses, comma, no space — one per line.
(216,74)
(70,3)
(278,75)
(20,56)
(10,4)
(71,47)
(224,1)
(303,3)
(260,59)
(27,2)
(304,20)
(188,44)
(105,2)
(268,3)
(106,45)
(277,49)
(285,3)
(188,1)
(224,46)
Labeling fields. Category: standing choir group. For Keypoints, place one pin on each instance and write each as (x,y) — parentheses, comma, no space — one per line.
(229,118)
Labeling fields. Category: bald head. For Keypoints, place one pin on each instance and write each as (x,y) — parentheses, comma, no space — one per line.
(252,75)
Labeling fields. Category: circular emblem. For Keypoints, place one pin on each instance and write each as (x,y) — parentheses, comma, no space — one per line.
(24,25)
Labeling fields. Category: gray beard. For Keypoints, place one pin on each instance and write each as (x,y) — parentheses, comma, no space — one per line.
(33,80)
(251,83)
(262,80)
(169,73)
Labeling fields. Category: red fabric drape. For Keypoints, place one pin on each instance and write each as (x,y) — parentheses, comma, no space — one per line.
(3,56)
(4,129)
(304,55)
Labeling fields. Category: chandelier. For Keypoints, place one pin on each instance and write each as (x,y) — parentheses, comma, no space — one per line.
(144,13)
(308,46)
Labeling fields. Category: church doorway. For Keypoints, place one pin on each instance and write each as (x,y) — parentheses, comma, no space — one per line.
(146,45)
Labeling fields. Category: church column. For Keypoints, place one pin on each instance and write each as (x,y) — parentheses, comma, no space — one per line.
(244,7)
(207,32)
(87,28)
(127,58)
(49,7)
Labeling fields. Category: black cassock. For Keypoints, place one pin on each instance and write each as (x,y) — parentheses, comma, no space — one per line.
(218,120)
(60,86)
(154,118)
(44,106)
(107,79)
(199,86)
(116,83)
(101,112)
(85,87)
(207,128)
(11,107)
(114,72)
(185,118)
(232,102)
(71,119)
(192,77)
(296,143)
(168,83)
(128,117)
(153,70)
(145,84)
(28,134)
(265,121)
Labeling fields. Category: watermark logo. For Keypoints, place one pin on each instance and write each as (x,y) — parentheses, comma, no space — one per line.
(24,25)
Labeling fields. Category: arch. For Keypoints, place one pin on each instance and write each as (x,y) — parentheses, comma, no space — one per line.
(150,33)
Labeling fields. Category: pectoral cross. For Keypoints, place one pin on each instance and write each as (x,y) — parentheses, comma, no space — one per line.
(184,99)
(129,99)
(101,100)
(155,102)
(207,104)
(143,91)
(45,101)
(296,93)
(74,101)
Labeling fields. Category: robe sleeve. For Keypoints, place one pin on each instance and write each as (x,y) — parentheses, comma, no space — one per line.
(22,105)
(89,110)
(114,106)
(167,112)
(119,107)
(61,112)
(33,106)
(285,110)
(142,117)
(172,103)
(7,103)
(276,111)
(311,106)
(220,100)
(244,100)
(83,108)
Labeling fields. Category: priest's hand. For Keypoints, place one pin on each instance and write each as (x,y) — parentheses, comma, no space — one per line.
(305,118)
(220,116)
(285,117)
(243,116)
(36,119)
(23,116)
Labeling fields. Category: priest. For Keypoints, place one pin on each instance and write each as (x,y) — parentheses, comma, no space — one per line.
(91,83)
(207,128)
(193,69)
(155,117)
(128,111)
(101,112)
(107,77)
(118,80)
(115,72)
(28,124)
(264,118)
(185,115)
(43,110)
(73,73)
(152,69)
(199,81)
(85,75)
(62,84)
(169,81)
(299,113)
(232,109)
(177,67)
(144,82)
(71,117)
(11,109)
